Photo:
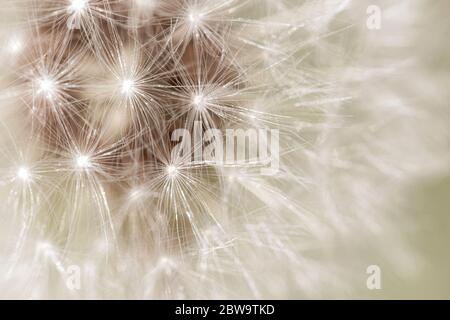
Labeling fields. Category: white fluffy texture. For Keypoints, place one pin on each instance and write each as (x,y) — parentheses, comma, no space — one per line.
(365,152)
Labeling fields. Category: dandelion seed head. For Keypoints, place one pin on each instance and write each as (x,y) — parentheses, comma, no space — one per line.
(146,3)
(199,101)
(172,171)
(195,18)
(47,86)
(106,98)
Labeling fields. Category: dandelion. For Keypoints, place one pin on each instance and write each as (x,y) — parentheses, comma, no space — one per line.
(94,174)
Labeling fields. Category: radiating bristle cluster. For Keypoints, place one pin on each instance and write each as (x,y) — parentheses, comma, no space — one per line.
(109,180)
